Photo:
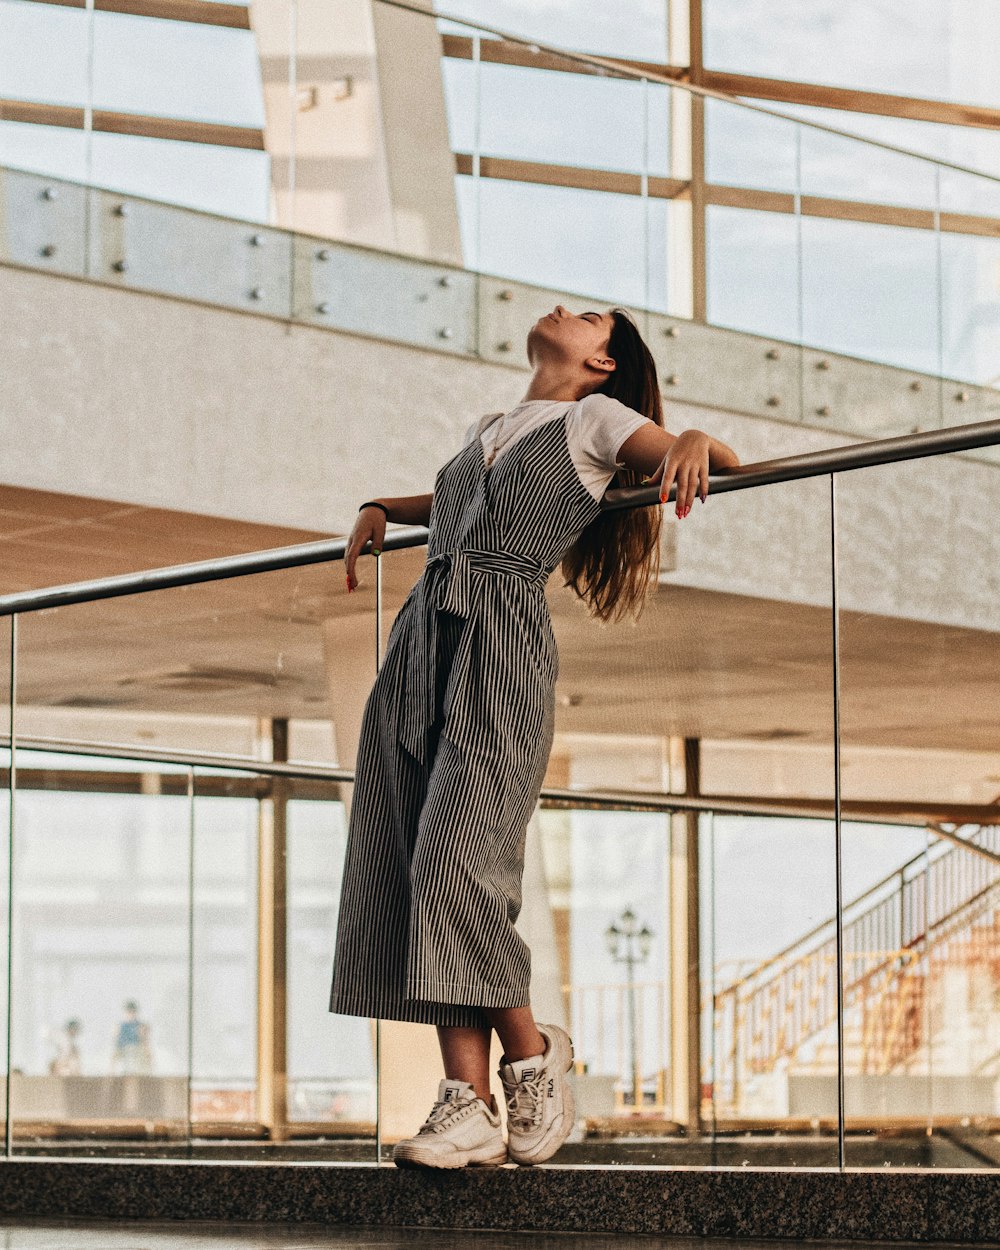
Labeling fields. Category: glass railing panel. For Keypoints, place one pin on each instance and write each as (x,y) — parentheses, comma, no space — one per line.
(970,256)
(938,53)
(5,814)
(228,827)
(724,685)
(918,696)
(176,69)
(231,181)
(332,1092)
(44,53)
(530,114)
(202,668)
(596,915)
(639,30)
(870,287)
(54,150)
(101,959)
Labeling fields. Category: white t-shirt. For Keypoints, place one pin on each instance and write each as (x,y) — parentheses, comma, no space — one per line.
(596,427)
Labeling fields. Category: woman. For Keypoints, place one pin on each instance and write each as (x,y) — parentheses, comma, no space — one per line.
(457,729)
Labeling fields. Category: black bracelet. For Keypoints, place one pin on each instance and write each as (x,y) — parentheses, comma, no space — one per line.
(372,503)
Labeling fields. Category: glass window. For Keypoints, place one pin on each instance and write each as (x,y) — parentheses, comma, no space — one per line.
(752,271)
(751,149)
(232,181)
(177,69)
(962,145)
(971,314)
(54,150)
(871,291)
(559,118)
(938,51)
(606,246)
(43,53)
(637,29)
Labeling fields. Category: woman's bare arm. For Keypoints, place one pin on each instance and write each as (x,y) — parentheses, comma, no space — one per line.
(689,457)
(371,523)
(407,509)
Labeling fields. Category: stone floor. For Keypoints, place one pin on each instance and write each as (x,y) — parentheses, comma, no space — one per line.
(150,1235)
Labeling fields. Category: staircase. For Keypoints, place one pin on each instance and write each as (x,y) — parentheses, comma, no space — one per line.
(939,912)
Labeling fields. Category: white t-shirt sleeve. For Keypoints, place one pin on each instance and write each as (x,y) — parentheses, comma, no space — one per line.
(475,429)
(602,425)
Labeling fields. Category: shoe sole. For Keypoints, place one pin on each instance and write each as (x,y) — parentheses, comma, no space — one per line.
(413,1159)
(559,1130)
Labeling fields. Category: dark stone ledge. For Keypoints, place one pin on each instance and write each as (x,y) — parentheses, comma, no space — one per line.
(741,1203)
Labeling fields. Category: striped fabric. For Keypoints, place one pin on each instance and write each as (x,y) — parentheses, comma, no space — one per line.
(455,740)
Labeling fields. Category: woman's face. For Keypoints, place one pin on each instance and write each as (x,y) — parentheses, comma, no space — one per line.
(574,338)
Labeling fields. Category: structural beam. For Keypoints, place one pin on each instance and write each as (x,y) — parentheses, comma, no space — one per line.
(272,954)
(108,122)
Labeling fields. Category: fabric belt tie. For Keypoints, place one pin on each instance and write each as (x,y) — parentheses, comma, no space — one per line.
(446,585)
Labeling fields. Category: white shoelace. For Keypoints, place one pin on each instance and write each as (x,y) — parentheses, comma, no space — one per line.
(441,1114)
(524,1103)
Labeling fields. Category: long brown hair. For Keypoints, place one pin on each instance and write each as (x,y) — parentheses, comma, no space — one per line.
(615,560)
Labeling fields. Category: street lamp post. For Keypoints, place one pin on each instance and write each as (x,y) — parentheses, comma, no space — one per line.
(630,945)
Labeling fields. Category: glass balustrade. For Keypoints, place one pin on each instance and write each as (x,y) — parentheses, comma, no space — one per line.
(847,285)
(173,883)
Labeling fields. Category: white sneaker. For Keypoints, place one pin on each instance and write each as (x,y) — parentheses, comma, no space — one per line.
(540,1107)
(461,1130)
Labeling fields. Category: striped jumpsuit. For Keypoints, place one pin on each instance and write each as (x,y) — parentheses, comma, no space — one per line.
(455,740)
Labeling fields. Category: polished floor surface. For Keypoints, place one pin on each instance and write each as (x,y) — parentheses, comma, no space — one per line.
(145,1235)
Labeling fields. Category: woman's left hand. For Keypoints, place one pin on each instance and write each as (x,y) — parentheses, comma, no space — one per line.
(687,461)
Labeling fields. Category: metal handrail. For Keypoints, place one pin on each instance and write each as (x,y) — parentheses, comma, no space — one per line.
(622,70)
(619,800)
(764,473)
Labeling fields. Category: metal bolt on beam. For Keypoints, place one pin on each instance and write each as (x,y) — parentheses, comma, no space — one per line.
(916,386)
(962,397)
(50,193)
(49,249)
(773,354)
(824,411)
(774,401)
(822,365)
(256,240)
(505,296)
(121,210)
(323,254)
(444,280)
(120,266)
(445,332)
(673,380)
(323,308)
(257,293)
(505,346)
(672,332)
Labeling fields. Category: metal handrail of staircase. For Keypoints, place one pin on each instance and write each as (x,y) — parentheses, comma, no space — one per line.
(896,925)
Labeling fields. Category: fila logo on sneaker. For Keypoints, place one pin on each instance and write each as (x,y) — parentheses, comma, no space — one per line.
(528,1074)
(552,1087)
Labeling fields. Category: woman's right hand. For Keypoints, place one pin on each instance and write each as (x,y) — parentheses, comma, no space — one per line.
(369,525)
